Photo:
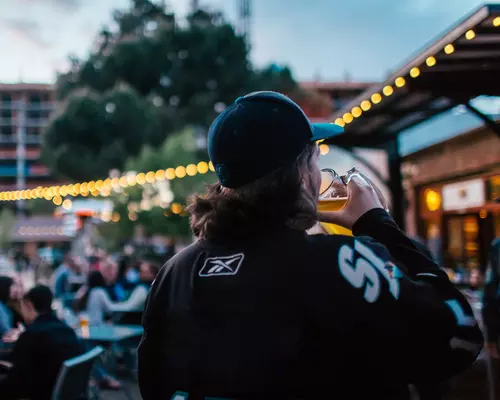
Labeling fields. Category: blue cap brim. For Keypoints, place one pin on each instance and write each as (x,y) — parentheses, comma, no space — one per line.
(325,131)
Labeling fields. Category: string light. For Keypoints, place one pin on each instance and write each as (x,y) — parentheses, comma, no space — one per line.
(324,149)
(170,173)
(376,98)
(150,177)
(67,204)
(340,122)
(449,48)
(202,167)
(191,170)
(431,61)
(180,172)
(414,72)
(496,22)
(400,82)
(348,118)
(141,178)
(366,105)
(176,208)
(388,90)
(356,112)
(470,34)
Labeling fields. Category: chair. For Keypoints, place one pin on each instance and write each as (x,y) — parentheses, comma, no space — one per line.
(73,380)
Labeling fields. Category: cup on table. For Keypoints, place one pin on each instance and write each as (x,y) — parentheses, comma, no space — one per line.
(84,321)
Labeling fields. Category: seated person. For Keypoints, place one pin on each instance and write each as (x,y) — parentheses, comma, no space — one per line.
(40,350)
(64,276)
(149,268)
(128,273)
(97,302)
(109,270)
(10,290)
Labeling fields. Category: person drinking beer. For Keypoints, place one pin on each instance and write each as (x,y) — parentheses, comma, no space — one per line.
(257,309)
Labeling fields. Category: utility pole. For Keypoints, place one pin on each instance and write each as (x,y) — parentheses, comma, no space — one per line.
(21,151)
(195,5)
(245,17)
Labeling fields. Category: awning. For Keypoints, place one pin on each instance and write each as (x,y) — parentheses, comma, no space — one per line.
(40,229)
(462,64)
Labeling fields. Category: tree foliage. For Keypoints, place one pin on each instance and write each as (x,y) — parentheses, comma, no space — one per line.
(150,204)
(146,77)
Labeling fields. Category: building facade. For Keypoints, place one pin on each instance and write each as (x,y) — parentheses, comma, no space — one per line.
(24,112)
(453,194)
(324,98)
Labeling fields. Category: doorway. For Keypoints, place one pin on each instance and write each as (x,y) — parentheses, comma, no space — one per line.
(467,238)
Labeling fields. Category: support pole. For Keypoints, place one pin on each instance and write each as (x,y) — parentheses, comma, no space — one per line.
(396,183)
(487,120)
(21,151)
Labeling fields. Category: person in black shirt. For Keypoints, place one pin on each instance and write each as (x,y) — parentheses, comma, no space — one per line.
(40,350)
(257,309)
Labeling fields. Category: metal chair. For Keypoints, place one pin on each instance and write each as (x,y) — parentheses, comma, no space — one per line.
(73,380)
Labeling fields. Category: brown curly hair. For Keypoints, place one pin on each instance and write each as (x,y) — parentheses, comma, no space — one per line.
(277,200)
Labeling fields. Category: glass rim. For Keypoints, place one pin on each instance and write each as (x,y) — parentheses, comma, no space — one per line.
(335,176)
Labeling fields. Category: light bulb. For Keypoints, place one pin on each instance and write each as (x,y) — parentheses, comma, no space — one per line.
(376,98)
(400,82)
(340,122)
(348,118)
(431,61)
(388,90)
(414,72)
(366,105)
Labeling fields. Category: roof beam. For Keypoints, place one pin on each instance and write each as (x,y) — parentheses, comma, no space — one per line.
(487,120)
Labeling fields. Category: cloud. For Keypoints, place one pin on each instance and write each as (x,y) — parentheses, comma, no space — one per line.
(67,5)
(26,30)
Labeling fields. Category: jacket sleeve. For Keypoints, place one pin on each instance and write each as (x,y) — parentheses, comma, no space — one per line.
(397,304)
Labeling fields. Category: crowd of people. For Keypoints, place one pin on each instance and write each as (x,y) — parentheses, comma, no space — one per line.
(38,326)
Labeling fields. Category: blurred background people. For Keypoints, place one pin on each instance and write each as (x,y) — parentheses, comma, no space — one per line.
(40,350)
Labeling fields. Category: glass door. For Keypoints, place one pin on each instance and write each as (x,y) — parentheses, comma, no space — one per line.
(463,247)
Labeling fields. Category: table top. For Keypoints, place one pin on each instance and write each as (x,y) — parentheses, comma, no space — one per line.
(110,333)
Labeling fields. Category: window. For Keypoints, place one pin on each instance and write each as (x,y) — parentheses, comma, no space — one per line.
(6,98)
(6,114)
(34,114)
(34,131)
(6,130)
(34,98)
(494,189)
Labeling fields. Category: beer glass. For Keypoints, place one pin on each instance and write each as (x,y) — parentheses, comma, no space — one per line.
(84,321)
(334,195)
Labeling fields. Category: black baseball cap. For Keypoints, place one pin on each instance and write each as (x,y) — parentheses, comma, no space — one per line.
(259,133)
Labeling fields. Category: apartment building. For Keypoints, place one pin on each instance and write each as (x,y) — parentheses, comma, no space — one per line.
(24,112)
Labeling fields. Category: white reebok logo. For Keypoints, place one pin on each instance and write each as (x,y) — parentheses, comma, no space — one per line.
(228,265)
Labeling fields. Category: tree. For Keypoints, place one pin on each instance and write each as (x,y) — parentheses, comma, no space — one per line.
(159,206)
(157,76)
(7,223)
(95,132)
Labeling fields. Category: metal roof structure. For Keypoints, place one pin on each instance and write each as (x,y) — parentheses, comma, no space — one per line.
(462,64)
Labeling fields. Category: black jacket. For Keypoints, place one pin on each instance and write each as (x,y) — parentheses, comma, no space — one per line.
(37,357)
(295,316)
